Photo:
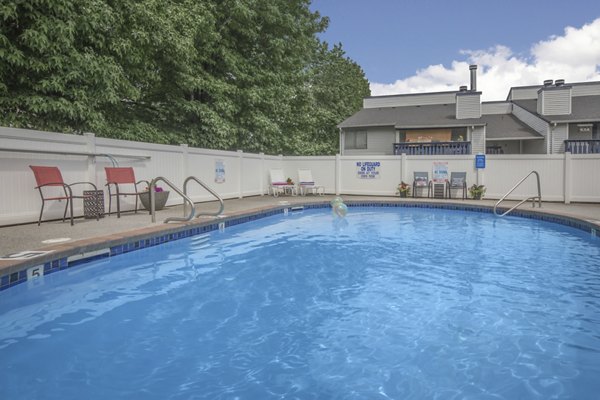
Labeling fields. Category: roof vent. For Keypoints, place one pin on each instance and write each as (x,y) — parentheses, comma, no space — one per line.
(548,82)
(462,88)
(559,82)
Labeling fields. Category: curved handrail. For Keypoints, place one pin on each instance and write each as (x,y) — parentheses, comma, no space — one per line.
(538,197)
(205,186)
(179,192)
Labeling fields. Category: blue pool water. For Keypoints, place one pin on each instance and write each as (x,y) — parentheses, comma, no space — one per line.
(390,303)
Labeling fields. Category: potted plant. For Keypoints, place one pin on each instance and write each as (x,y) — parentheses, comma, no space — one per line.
(477,191)
(289,181)
(403,189)
(160,198)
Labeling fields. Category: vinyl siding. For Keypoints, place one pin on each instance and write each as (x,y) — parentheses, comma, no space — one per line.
(496,108)
(559,134)
(468,106)
(555,102)
(574,133)
(409,100)
(478,140)
(579,89)
(380,141)
(587,89)
(524,93)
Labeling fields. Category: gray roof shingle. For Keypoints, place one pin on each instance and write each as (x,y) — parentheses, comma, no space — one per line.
(438,115)
(583,108)
(503,126)
(507,126)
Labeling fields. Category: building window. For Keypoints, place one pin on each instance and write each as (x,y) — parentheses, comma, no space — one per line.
(355,140)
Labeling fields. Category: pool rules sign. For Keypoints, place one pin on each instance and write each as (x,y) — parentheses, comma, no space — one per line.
(368,169)
(219,171)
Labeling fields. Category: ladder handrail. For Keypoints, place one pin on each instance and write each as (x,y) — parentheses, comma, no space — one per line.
(179,192)
(205,186)
(534,198)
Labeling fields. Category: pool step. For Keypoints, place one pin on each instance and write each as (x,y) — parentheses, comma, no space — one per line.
(200,238)
(201,241)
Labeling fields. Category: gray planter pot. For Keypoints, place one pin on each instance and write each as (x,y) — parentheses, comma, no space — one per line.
(159,197)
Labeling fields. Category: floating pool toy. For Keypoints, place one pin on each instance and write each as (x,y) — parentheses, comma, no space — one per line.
(340,210)
(336,200)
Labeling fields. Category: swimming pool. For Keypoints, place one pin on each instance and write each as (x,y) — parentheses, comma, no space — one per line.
(386,303)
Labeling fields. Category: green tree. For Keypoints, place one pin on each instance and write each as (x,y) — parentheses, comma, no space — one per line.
(226,74)
(50,75)
(337,86)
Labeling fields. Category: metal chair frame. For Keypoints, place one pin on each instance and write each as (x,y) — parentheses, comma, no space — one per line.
(415,186)
(66,188)
(463,186)
(118,192)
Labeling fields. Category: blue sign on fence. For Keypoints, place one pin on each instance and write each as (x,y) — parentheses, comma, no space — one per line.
(480,161)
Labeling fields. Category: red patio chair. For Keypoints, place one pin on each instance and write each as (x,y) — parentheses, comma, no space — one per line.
(51,176)
(122,176)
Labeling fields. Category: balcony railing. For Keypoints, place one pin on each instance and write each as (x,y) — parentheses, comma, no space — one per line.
(432,149)
(582,146)
(494,150)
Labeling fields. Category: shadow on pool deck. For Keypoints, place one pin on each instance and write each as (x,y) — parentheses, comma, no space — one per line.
(31,237)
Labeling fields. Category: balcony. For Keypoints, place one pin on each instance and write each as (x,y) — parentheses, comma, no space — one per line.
(582,146)
(432,149)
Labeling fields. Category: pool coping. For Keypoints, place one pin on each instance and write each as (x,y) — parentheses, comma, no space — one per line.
(68,255)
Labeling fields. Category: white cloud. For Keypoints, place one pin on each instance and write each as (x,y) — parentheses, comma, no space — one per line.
(574,56)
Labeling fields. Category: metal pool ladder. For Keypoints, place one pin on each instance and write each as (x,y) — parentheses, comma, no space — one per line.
(179,192)
(533,198)
(205,186)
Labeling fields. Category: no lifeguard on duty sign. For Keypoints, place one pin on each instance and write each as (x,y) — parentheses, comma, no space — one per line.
(480,161)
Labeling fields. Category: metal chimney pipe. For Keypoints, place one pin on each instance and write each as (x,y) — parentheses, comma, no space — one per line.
(462,88)
(473,69)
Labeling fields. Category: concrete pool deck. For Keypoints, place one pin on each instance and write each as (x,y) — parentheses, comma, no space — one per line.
(88,235)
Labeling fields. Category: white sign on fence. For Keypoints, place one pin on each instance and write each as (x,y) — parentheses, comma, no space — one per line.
(368,169)
(219,171)
(440,171)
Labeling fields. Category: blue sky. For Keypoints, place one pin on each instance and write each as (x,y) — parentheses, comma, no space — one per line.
(412,42)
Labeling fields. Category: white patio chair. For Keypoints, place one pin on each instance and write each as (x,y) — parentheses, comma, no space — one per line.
(306,183)
(279,184)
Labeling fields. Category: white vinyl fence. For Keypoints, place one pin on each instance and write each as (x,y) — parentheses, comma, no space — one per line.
(564,177)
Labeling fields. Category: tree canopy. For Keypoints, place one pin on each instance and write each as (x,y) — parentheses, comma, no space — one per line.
(224,74)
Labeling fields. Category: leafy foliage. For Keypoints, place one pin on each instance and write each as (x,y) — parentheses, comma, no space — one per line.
(227,74)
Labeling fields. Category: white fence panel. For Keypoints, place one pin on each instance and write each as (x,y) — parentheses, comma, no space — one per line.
(202,164)
(322,169)
(384,185)
(244,173)
(503,172)
(426,163)
(247,174)
(20,201)
(252,177)
(585,177)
